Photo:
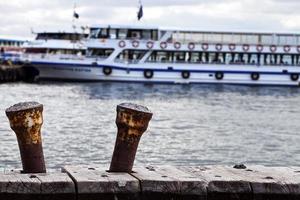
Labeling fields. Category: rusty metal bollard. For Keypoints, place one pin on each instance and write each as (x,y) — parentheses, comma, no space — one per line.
(132,121)
(26,120)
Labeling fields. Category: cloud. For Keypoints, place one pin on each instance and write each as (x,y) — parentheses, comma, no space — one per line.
(18,16)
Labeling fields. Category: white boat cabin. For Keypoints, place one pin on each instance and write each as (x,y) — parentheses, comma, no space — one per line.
(136,44)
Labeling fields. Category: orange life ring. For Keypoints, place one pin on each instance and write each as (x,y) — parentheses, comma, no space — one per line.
(246,47)
(287,48)
(259,48)
(122,44)
(219,47)
(135,44)
(191,46)
(177,45)
(204,46)
(273,48)
(163,45)
(231,47)
(150,44)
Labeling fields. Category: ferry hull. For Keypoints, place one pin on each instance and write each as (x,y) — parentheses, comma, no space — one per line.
(279,76)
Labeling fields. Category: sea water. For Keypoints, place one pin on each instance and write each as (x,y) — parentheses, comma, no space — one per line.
(191,125)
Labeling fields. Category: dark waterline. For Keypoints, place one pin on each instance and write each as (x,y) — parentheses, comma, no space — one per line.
(191,125)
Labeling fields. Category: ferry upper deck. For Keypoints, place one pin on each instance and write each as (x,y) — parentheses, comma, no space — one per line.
(185,36)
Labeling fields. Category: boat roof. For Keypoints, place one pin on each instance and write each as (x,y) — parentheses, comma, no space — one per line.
(59,29)
(194,30)
(122,26)
(13,38)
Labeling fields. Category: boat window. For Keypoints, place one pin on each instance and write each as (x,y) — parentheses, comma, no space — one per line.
(113,34)
(179,57)
(104,33)
(122,34)
(94,33)
(286,60)
(134,34)
(147,35)
(103,53)
(195,57)
(35,50)
(154,35)
(131,56)
(267,39)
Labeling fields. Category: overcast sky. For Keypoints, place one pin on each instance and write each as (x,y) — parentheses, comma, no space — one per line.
(19,16)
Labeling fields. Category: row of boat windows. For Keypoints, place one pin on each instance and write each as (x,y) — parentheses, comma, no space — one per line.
(237,38)
(61,36)
(206,57)
(182,56)
(225,58)
(107,33)
(10,43)
(55,51)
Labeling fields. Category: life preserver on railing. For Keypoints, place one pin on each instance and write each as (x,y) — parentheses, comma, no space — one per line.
(204,46)
(185,74)
(177,45)
(135,44)
(298,49)
(219,47)
(148,73)
(286,48)
(259,48)
(254,76)
(150,44)
(163,45)
(273,48)
(294,77)
(246,47)
(231,47)
(107,70)
(191,46)
(122,44)
(219,75)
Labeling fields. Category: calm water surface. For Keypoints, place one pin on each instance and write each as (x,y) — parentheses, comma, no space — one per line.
(191,125)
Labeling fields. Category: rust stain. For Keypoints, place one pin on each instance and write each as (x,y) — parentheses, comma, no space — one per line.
(27,126)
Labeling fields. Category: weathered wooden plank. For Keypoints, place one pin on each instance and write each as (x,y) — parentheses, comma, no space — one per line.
(96,183)
(14,185)
(273,182)
(222,183)
(57,186)
(18,186)
(166,182)
(255,182)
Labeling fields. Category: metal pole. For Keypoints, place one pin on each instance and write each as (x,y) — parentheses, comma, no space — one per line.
(26,120)
(132,121)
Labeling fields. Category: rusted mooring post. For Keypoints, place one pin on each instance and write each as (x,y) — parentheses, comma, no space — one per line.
(132,121)
(26,120)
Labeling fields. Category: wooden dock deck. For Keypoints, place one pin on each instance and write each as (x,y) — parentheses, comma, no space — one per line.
(159,182)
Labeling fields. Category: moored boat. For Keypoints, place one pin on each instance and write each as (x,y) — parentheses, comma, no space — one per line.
(155,55)
(11,48)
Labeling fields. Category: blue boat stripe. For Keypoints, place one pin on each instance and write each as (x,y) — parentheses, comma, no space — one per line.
(162,70)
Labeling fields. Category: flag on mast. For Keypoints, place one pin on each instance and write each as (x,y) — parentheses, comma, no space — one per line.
(140,13)
(75,14)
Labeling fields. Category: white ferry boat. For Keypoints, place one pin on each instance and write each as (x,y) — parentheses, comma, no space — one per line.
(155,55)
(11,48)
(59,44)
